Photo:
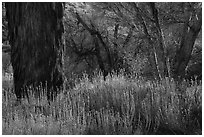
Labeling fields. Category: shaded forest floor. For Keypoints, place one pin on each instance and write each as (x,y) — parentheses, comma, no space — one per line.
(115,106)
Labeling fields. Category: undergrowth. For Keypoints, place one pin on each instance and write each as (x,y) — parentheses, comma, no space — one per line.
(115,106)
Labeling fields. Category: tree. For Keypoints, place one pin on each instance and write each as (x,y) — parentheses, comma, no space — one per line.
(99,48)
(191,28)
(35,35)
(154,18)
(142,38)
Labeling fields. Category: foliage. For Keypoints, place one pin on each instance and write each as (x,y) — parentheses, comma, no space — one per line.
(6,64)
(131,31)
(128,34)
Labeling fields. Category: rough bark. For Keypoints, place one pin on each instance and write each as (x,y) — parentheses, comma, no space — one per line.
(35,36)
(191,29)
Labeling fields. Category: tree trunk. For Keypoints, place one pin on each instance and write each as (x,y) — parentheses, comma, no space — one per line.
(35,36)
(99,58)
(190,32)
(152,53)
(96,38)
(160,49)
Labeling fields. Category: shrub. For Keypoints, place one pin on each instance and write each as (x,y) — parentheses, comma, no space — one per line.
(6,64)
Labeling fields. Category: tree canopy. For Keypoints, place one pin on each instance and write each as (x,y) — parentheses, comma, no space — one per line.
(153,40)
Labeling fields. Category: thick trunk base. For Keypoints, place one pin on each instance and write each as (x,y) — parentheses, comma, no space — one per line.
(35,35)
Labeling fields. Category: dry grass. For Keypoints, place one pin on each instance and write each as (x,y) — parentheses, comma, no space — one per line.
(114,106)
